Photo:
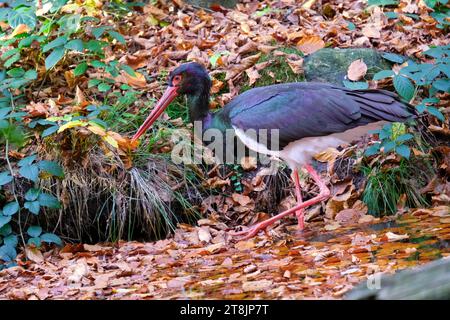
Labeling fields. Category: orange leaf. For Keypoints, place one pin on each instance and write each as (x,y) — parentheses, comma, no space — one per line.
(310,44)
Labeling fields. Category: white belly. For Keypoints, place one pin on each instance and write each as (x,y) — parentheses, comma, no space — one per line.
(300,152)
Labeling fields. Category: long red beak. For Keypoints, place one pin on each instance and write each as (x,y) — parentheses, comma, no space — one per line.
(166,99)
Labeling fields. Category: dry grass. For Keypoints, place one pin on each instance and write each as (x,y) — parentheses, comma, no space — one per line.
(102,201)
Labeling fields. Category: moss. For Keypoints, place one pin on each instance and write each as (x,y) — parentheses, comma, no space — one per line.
(278,71)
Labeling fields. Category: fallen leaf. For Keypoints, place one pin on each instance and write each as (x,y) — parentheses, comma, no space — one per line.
(259,285)
(34,254)
(396,237)
(310,44)
(248,163)
(204,235)
(244,245)
(357,70)
(78,271)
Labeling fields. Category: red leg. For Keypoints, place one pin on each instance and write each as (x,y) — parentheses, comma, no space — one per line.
(324,194)
(298,193)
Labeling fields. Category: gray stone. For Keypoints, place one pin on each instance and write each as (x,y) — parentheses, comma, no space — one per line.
(331,64)
(208,3)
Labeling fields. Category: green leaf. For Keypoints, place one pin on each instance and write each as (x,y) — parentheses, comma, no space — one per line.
(32,206)
(98,64)
(12,60)
(393,57)
(442,84)
(49,131)
(11,240)
(30,75)
(93,82)
(128,70)
(7,253)
(389,146)
(22,15)
(36,241)
(4,220)
(9,53)
(51,238)
(445,68)
(97,32)
(54,57)
(403,150)
(34,231)
(404,87)
(80,69)
(5,229)
(117,36)
(32,194)
(16,72)
(58,42)
(435,112)
(5,178)
(355,85)
(95,46)
(10,208)
(27,160)
(391,15)
(404,137)
(350,26)
(75,45)
(382,2)
(30,172)
(385,132)
(383,74)
(373,149)
(103,87)
(49,201)
(52,168)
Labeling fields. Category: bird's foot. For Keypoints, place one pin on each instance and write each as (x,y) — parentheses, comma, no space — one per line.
(252,231)
(300,219)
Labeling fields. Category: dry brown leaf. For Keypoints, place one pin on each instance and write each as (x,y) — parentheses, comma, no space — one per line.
(34,254)
(348,216)
(241,199)
(357,70)
(396,237)
(78,271)
(245,64)
(252,75)
(244,245)
(248,163)
(328,155)
(310,44)
(204,235)
(136,81)
(259,285)
(94,247)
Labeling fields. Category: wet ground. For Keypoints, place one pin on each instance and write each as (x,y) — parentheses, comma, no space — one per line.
(315,264)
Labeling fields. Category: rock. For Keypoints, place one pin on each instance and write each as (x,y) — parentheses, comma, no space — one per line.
(208,3)
(331,64)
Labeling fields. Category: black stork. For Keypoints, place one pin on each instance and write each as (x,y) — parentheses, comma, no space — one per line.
(310,117)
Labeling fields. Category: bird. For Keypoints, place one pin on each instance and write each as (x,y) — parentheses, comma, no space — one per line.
(308,116)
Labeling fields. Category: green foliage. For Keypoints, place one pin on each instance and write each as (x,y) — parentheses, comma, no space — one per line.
(237,177)
(392,139)
(427,77)
(385,186)
(28,168)
(382,2)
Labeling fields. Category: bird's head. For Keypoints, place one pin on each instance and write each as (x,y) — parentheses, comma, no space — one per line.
(190,79)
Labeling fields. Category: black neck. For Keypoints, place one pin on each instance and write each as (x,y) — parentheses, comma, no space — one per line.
(198,105)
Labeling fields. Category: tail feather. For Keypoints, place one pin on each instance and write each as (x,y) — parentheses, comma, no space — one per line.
(382,105)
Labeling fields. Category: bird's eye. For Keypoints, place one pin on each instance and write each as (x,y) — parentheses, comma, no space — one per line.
(176,80)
